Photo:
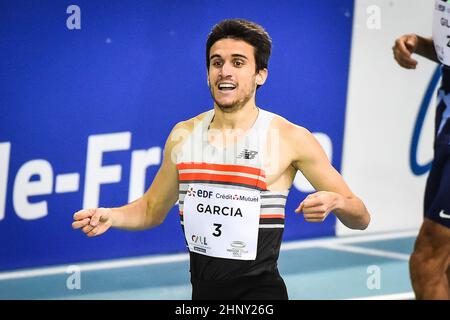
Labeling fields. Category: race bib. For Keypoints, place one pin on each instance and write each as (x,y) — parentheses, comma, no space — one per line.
(441,31)
(222,223)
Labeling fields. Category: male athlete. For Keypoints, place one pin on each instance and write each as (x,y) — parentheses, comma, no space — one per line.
(231,168)
(430,262)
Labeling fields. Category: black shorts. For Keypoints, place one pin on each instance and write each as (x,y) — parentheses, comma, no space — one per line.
(267,286)
(437,192)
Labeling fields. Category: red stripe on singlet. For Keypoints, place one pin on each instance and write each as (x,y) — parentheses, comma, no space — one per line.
(222,178)
(221,167)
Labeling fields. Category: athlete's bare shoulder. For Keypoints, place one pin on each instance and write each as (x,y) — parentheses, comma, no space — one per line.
(288,129)
(189,124)
(181,131)
(297,143)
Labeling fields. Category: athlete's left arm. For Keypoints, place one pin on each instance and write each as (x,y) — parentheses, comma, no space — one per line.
(333,194)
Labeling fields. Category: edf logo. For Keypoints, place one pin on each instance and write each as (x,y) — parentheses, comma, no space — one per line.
(204,194)
(191,192)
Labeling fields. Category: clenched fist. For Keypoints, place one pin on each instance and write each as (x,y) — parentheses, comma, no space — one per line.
(317,206)
(404,47)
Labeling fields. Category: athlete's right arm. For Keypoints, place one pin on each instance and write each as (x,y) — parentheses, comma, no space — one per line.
(408,44)
(146,212)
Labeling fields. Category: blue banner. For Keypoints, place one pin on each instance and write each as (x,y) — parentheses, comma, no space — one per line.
(91,89)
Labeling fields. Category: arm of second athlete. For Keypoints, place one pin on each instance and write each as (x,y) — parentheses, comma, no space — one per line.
(425,48)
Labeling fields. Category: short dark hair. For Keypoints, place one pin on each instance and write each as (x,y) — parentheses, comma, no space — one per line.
(245,30)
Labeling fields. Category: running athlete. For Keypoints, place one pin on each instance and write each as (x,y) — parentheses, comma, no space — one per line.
(231,168)
(430,260)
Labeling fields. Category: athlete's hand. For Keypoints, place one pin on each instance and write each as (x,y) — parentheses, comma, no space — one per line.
(404,47)
(93,222)
(317,206)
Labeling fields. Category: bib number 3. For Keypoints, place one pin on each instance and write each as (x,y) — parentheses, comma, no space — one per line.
(217,231)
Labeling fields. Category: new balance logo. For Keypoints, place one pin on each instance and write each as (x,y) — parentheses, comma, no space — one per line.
(442,214)
(247,154)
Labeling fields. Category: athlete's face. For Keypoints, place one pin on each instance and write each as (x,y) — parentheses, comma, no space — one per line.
(232,76)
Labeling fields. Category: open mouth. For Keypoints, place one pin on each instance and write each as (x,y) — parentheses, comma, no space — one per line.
(226,86)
